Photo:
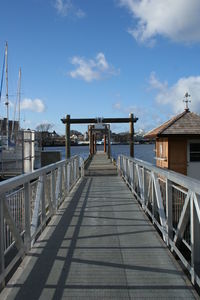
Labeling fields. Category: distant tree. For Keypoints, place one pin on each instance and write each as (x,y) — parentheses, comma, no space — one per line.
(44,127)
(43,133)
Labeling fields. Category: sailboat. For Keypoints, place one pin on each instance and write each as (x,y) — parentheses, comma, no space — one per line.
(16,145)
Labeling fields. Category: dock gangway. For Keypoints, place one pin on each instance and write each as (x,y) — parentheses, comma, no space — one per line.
(101,231)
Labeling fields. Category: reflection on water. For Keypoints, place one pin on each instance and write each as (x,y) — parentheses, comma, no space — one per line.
(144,152)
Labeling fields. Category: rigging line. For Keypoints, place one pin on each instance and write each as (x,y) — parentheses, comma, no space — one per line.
(2,76)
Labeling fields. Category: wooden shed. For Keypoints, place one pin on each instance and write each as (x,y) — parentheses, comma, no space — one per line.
(178,144)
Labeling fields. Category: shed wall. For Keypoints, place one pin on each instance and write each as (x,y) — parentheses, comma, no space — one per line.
(178,154)
(162,153)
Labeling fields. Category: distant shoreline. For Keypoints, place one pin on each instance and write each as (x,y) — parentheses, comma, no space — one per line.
(84,145)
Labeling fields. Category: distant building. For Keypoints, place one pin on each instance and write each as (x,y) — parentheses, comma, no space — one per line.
(178,144)
(12,125)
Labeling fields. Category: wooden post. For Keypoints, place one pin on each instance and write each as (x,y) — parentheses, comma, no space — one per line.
(90,137)
(67,138)
(131,136)
(105,143)
(91,140)
(95,143)
(108,141)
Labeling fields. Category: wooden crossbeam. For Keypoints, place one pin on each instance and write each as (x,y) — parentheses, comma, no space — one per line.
(97,120)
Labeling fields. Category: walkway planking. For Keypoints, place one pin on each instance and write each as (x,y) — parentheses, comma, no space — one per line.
(100,245)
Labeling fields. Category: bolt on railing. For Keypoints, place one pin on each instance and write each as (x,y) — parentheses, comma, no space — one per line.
(172,201)
(27,202)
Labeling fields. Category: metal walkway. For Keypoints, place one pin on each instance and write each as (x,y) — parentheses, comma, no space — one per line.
(100,245)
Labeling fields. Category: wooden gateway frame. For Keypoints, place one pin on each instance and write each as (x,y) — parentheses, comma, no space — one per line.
(105,122)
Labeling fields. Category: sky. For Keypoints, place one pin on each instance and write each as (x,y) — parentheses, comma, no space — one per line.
(101,58)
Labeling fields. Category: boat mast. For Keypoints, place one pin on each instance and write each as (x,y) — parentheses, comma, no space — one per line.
(19,95)
(7,102)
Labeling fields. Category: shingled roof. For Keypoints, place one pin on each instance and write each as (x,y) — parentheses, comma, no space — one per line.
(186,123)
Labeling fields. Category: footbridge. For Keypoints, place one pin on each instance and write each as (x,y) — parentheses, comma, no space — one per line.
(95,230)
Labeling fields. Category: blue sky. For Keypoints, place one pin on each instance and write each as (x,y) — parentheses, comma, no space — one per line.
(103,58)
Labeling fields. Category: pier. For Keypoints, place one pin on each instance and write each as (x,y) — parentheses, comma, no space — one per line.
(96,241)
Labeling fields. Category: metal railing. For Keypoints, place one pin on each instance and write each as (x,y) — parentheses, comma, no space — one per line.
(172,201)
(27,202)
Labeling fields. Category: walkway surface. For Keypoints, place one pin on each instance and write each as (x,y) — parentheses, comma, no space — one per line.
(100,245)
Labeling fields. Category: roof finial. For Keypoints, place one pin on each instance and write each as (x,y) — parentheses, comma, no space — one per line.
(187,101)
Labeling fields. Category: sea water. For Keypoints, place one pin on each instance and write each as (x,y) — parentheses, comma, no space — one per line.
(142,151)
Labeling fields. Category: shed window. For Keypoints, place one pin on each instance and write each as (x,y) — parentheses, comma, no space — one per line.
(195,152)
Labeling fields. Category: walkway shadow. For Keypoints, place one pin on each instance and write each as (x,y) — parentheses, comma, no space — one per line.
(34,284)
(100,258)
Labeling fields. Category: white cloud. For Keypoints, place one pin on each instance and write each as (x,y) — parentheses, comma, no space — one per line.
(35,105)
(66,8)
(92,69)
(173,95)
(117,105)
(177,20)
(148,117)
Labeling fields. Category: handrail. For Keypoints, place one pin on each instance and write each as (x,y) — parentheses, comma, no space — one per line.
(172,201)
(28,201)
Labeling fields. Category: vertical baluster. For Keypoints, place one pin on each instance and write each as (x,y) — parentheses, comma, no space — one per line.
(65,178)
(53,190)
(131,174)
(144,187)
(71,173)
(169,211)
(153,199)
(68,177)
(60,185)
(48,194)
(38,197)
(43,202)
(64,182)
(77,168)
(74,169)
(195,241)
(82,167)
(27,208)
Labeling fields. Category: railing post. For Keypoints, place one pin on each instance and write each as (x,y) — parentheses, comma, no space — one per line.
(195,241)
(61,184)
(74,171)
(153,199)
(128,170)
(131,174)
(125,168)
(27,209)
(144,183)
(169,211)
(43,203)
(65,179)
(68,177)
(53,191)
(2,261)
(77,169)
(119,164)
(133,168)
(82,168)
(58,186)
